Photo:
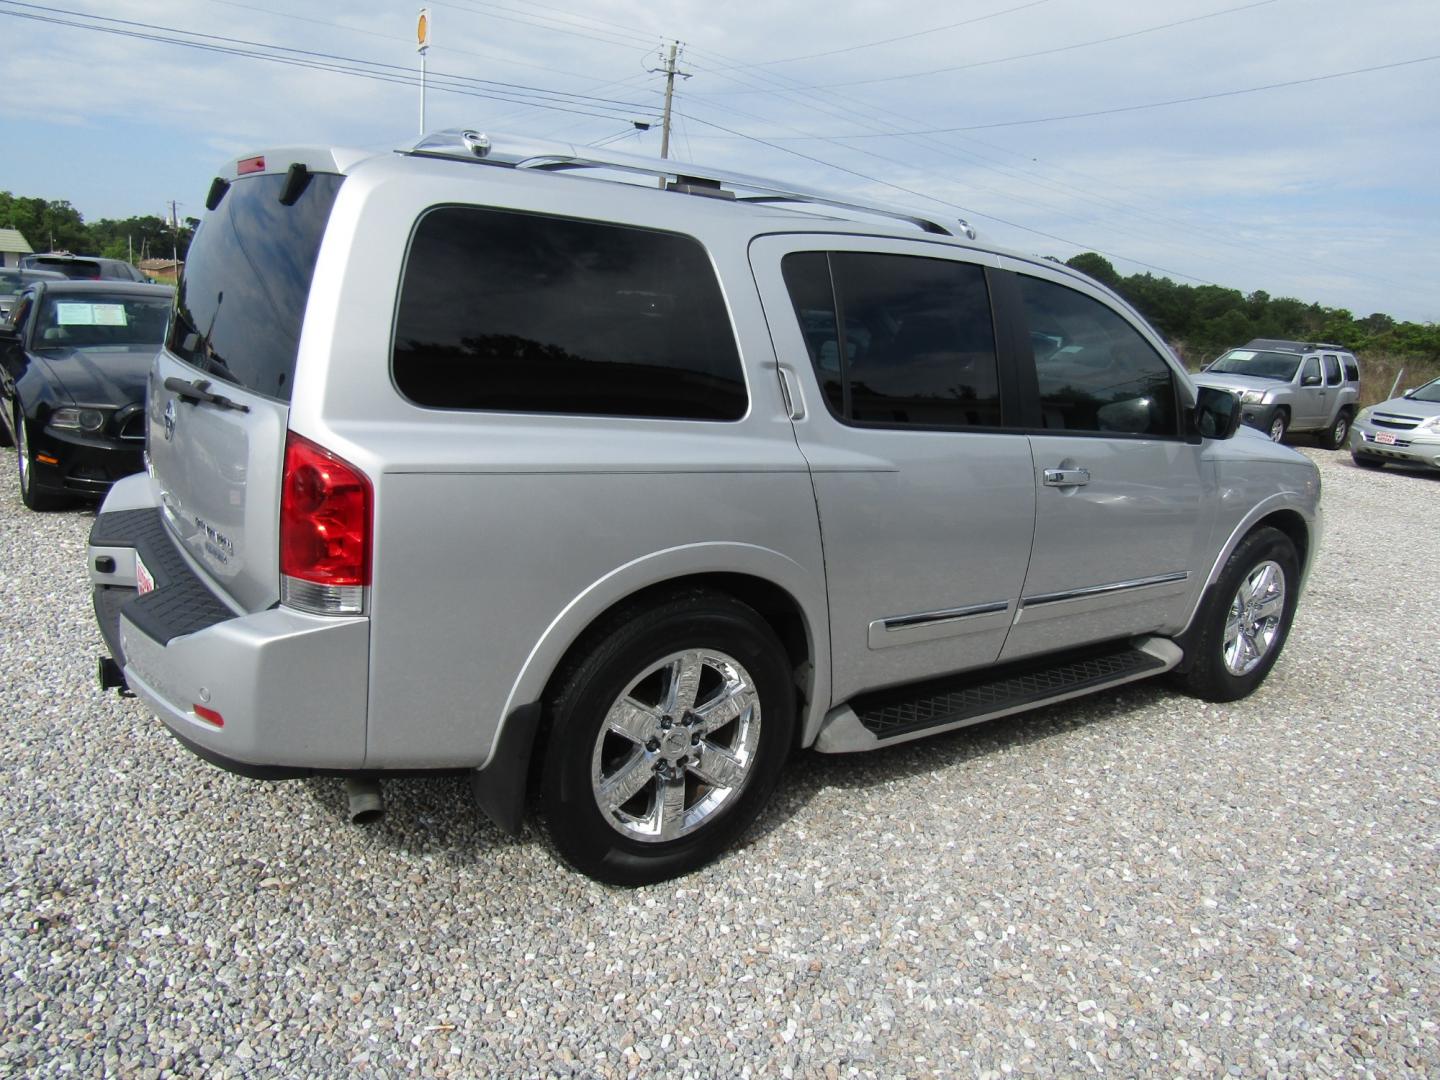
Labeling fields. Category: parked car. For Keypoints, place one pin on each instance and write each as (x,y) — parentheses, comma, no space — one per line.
(12,280)
(83,267)
(73,361)
(1404,429)
(1287,386)
(461,461)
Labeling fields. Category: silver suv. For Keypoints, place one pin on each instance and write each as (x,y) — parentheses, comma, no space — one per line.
(491,458)
(1287,386)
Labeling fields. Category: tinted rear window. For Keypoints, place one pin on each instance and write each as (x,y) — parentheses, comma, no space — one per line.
(76,269)
(524,313)
(242,299)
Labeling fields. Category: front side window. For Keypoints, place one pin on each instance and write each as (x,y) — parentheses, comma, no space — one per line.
(898,340)
(523,313)
(1332,370)
(1096,372)
(1310,371)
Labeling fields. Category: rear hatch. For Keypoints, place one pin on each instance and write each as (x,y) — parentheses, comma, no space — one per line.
(219,393)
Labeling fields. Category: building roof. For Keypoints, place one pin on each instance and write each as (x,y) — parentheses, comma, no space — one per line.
(11,240)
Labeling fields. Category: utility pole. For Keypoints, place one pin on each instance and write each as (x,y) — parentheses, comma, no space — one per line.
(670,74)
(422,46)
(174,241)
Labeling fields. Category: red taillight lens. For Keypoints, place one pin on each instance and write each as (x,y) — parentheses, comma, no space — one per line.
(324,517)
(250,165)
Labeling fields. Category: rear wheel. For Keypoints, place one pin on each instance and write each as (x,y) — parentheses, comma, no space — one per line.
(29,495)
(1335,434)
(666,739)
(1279,424)
(1245,618)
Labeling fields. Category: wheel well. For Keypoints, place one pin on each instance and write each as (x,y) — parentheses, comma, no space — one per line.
(1292,525)
(776,606)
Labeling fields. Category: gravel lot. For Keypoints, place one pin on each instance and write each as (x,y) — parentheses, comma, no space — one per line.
(1135,884)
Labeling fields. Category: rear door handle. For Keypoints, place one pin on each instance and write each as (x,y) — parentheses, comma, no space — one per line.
(1066,477)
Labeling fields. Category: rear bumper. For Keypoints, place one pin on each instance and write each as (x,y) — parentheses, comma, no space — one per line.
(289,688)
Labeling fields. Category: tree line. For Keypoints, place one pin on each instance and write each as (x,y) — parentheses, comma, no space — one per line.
(1203,321)
(55,225)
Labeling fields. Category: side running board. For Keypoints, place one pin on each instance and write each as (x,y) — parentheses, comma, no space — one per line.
(909,712)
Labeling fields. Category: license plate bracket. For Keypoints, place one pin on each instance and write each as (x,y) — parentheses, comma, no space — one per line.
(1384,438)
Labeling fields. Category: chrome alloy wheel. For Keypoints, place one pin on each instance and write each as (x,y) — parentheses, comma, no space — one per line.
(677,746)
(1254,620)
(22,448)
(1277,428)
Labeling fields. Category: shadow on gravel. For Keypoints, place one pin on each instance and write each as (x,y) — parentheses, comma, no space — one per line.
(423,814)
(437,815)
(808,773)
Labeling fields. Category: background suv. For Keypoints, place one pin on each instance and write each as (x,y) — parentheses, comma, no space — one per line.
(617,494)
(1289,386)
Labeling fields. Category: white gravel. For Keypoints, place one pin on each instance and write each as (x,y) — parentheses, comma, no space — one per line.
(1139,883)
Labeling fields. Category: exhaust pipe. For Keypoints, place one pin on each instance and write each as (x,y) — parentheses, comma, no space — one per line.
(366,802)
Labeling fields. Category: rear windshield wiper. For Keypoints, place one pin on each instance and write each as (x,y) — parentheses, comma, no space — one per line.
(199,390)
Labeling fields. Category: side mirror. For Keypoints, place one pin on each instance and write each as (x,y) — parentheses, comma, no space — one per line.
(1216,414)
(1409,392)
(1310,380)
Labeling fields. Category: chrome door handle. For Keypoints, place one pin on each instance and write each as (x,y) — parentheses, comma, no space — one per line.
(1066,477)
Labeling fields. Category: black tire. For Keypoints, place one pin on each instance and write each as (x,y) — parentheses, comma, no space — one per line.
(1365,461)
(1209,677)
(1333,437)
(32,497)
(606,843)
(1279,425)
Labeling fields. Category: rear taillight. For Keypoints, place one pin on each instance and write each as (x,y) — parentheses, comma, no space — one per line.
(325,519)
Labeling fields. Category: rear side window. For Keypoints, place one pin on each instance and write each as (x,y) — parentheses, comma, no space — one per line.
(898,340)
(1096,373)
(240,305)
(1332,370)
(516,312)
(1352,369)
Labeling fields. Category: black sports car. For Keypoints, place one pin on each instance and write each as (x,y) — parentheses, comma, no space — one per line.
(74,357)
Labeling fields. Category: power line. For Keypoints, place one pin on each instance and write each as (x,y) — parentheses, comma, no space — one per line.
(943,202)
(1146,105)
(405,79)
(892,40)
(1031,55)
(383,68)
(493,58)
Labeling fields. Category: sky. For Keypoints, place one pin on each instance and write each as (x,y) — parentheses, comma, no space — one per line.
(1153,132)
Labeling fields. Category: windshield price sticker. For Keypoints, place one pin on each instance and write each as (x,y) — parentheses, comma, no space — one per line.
(72,314)
(144,580)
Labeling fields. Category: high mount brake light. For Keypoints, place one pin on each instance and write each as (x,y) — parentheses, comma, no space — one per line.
(325,530)
(249,165)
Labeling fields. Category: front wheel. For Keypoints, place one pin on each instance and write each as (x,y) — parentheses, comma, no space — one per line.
(1365,461)
(1334,437)
(666,739)
(1245,618)
(1279,424)
(29,495)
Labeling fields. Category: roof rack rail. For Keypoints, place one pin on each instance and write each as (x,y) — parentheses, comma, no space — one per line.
(523,153)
